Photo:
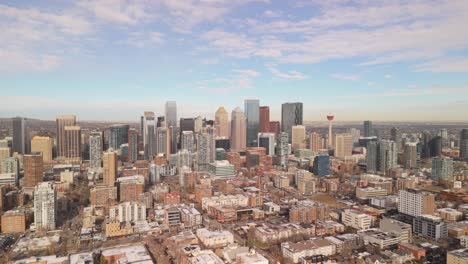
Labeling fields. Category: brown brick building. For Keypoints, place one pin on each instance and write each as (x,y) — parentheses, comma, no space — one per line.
(13,222)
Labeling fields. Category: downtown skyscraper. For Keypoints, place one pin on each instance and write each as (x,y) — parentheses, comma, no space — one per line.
(222,123)
(264,119)
(118,136)
(464,144)
(21,142)
(61,123)
(171,114)
(367,128)
(149,136)
(252,114)
(95,149)
(238,130)
(291,115)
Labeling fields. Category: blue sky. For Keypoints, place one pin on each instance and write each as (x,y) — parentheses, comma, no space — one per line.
(114,59)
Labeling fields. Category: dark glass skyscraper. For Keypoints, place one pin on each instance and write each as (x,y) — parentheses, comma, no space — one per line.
(372,156)
(426,142)
(367,128)
(21,142)
(464,144)
(291,115)
(252,114)
(118,136)
(396,137)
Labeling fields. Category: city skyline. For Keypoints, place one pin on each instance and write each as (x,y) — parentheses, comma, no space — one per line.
(110,60)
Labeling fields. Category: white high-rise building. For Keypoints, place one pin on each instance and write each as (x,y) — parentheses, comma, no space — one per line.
(128,212)
(162,141)
(298,140)
(149,136)
(283,149)
(95,149)
(415,202)
(188,141)
(206,148)
(45,204)
(343,145)
(388,156)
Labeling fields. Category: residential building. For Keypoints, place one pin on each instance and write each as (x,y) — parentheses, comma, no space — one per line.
(414,202)
(356,219)
(43,145)
(45,204)
(430,226)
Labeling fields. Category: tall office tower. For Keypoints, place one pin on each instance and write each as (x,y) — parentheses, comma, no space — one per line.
(291,115)
(283,148)
(205,149)
(162,141)
(387,156)
(238,130)
(118,136)
(222,122)
(443,133)
(356,133)
(171,114)
(198,124)
(20,135)
(110,167)
(43,145)
(372,155)
(33,169)
(45,204)
(264,119)
(464,144)
(267,141)
(252,114)
(62,122)
(396,137)
(275,127)
(142,125)
(95,149)
(343,145)
(85,143)
(426,143)
(133,139)
(315,142)
(436,146)
(410,155)
(368,128)
(188,141)
(149,136)
(173,139)
(161,121)
(330,118)
(442,169)
(73,143)
(298,137)
(415,202)
(187,124)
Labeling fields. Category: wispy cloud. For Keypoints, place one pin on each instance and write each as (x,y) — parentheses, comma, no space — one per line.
(444,65)
(292,75)
(239,79)
(345,77)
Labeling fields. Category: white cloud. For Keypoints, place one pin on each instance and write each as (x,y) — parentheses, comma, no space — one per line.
(388,76)
(292,75)
(117,11)
(271,13)
(444,65)
(144,39)
(345,77)
(250,73)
